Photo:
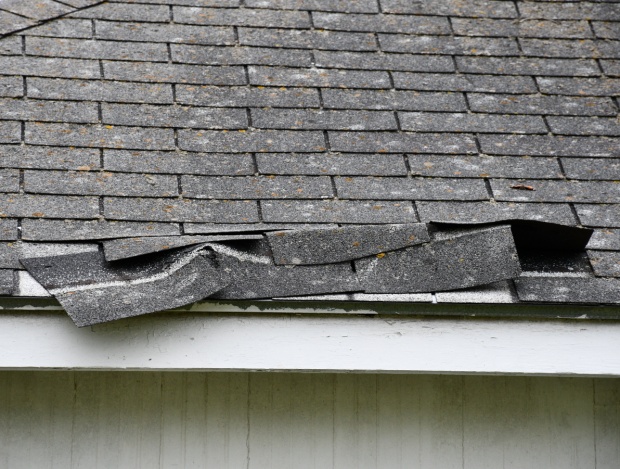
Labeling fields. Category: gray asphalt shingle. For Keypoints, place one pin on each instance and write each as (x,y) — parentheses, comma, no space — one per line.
(174,117)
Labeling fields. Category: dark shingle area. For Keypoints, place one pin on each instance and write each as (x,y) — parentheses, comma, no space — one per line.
(137,118)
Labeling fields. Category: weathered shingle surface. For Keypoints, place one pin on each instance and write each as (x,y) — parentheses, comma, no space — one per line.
(134,118)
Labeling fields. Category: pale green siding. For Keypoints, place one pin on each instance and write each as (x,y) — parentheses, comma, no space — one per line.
(238,420)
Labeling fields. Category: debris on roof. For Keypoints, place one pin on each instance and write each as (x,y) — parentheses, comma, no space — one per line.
(352,149)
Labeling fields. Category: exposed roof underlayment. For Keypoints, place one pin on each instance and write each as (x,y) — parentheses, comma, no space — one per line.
(158,152)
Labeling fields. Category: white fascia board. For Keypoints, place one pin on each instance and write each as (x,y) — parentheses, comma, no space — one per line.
(312,343)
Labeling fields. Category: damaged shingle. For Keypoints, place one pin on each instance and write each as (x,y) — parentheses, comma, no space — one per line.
(131,247)
(322,246)
(92,290)
(256,276)
(473,258)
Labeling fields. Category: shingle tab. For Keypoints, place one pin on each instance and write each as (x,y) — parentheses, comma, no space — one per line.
(50,67)
(107,91)
(488,212)
(383,61)
(8,229)
(555,191)
(323,120)
(247,96)
(611,67)
(605,239)
(99,136)
(257,187)
(174,73)
(220,164)
(10,132)
(604,215)
(99,183)
(191,210)
(568,290)
(509,28)
(48,111)
(329,245)
(44,9)
(117,249)
(174,116)
(11,87)
(9,256)
(478,83)
(448,45)
(32,157)
(571,11)
(307,39)
(81,230)
(48,206)
(584,48)
(477,257)
(331,164)
(584,125)
(259,280)
(126,12)
(382,23)
(528,66)
(247,228)
(592,168)
(7,283)
(244,17)
(475,8)
(240,56)
(410,189)
(274,76)
(84,49)
(251,141)
(167,32)
(579,86)
(544,145)
(393,100)
(11,45)
(360,6)
(605,263)
(9,180)
(537,104)
(606,29)
(337,211)
(10,22)
(484,166)
(463,122)
(366,142)
(63,27)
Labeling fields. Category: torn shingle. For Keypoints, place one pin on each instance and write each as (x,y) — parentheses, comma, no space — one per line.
(474,258)
(131,247)
(255,276)
(323,246)
(92,290)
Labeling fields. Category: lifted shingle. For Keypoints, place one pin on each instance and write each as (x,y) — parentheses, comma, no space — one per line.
(489,212)
(131,247)
(325,246)
(468,259)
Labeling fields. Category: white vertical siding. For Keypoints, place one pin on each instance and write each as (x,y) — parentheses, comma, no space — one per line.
(267,420)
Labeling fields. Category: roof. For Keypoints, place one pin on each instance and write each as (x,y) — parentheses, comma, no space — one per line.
(468,148)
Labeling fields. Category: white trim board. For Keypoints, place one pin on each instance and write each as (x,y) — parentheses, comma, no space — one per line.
(208,342)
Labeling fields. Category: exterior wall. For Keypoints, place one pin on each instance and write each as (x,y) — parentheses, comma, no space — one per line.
(93,420)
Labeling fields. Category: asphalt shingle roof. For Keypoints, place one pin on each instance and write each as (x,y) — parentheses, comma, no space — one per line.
(145,118)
